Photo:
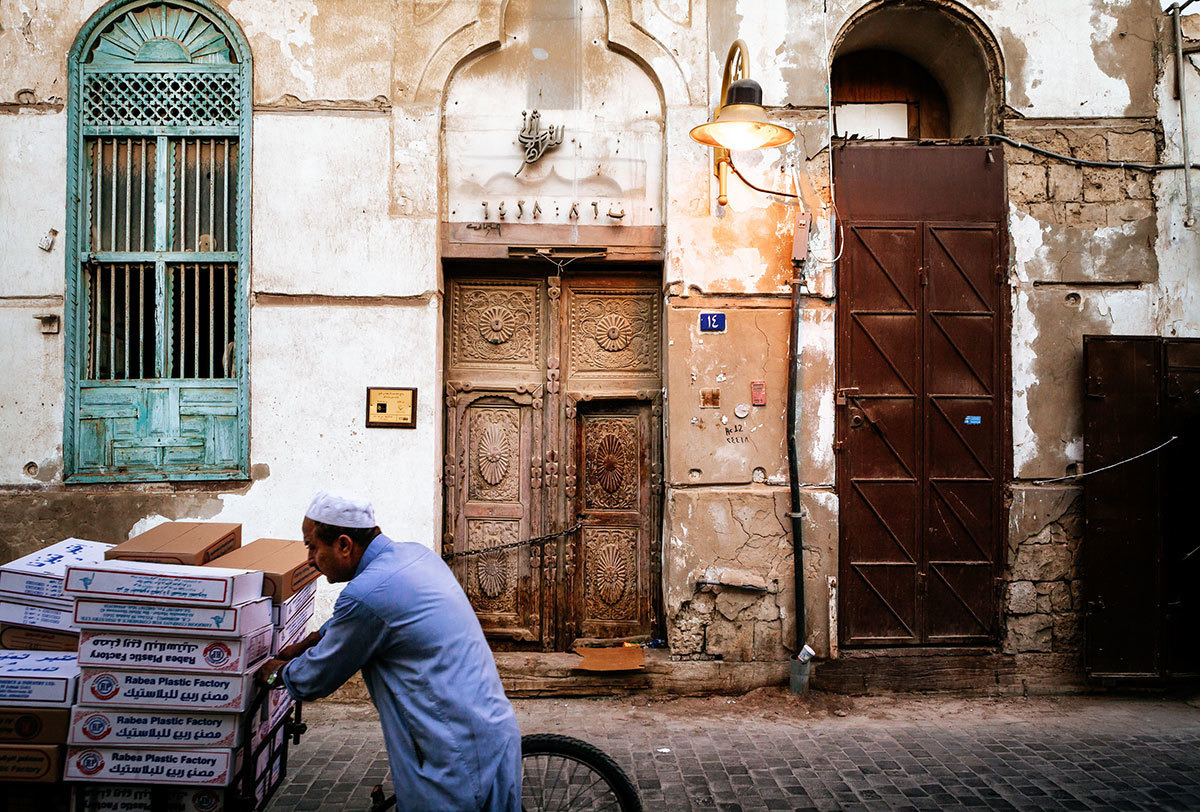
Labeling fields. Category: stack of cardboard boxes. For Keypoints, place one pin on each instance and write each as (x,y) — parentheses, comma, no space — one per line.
(171,626)
(34,613)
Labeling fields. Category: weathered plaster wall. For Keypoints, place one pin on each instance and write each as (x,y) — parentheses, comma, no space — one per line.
(347,197)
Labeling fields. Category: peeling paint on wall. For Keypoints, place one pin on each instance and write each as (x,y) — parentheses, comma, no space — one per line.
(288,24)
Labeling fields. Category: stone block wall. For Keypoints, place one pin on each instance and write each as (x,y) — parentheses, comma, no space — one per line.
(1043,595)
(1059,192)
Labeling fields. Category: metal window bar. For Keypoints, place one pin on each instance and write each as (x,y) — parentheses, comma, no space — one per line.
(201,306)
(121,197)
(121,341)
(204,173)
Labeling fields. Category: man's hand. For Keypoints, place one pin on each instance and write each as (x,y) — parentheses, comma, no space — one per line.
(267,669)
(296,649)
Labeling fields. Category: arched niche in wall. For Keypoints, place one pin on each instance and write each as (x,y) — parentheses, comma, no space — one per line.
(556,127)
(916,50)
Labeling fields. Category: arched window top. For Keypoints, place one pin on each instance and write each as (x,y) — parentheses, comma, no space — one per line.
(162,32)
(180,32)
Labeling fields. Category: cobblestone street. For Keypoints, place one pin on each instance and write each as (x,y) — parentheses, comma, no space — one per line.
(768,750)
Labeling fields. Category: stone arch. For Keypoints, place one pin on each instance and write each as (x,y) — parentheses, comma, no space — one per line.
(947,40)
(564,71)
(473,40)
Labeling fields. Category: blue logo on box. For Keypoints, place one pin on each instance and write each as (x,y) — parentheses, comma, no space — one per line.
(712,322)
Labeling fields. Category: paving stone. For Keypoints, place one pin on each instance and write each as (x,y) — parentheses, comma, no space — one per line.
(1099,753)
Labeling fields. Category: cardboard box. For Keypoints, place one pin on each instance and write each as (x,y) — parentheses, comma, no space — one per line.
(163,583)
(192,766)
(52,615)
(193,543)
(33,797)
(40,763)
(41,574)
(131,798)
(295,628)
(106,649)
(284,565)
(281,613)
(233,621)
(153,728)
(37,678)
(154,689)
(34,725)
(29,638)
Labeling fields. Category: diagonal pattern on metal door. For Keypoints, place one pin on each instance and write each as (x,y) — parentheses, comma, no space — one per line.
(961,346)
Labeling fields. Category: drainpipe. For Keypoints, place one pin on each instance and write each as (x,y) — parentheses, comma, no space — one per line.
(802,662)
(1176,9)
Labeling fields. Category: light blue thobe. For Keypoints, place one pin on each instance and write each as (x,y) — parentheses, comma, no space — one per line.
(452,738)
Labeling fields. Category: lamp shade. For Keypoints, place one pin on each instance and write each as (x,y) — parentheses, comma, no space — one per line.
(741,123)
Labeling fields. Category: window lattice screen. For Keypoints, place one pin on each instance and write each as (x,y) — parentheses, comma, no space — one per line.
(166,99)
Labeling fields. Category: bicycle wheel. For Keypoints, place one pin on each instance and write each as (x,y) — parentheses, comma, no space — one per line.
(559,773)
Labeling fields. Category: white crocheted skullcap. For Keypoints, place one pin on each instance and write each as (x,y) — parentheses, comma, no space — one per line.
(341,510)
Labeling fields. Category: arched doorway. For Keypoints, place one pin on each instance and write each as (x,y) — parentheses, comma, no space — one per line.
(922,327)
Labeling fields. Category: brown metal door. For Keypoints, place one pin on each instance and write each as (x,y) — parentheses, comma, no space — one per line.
(1122,554)
(534,444)
(1180,415)
(920,413)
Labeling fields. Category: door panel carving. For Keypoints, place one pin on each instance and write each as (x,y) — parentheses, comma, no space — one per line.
(492,578)
(610,463)
(614,333)
(610,573)
(494,475)
(613,452)
(495,323)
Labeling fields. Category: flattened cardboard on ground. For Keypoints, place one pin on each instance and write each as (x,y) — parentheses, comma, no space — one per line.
(190,766)
(154,689)
(34,725)
(39,613)
(219,621)
(610,658)
(284,565)
(40,763)
(41,574)
(29,638)
(130,798)
(153,728)
(193,543)
(37,678)
(281,613)
(107,649)
(175,584)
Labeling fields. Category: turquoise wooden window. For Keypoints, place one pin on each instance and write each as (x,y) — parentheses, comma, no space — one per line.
(158,190)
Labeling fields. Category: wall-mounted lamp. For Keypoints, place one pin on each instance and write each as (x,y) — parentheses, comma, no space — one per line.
(740,122)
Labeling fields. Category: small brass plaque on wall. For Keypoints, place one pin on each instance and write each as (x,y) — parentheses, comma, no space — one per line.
(391,408)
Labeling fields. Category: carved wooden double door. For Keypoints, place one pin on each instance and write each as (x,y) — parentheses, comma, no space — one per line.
(553,408)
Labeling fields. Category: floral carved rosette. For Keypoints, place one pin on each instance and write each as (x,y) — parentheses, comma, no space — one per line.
(610,463)
(495,445)
(611,573)
(615,332)
(492,576)
(495,324)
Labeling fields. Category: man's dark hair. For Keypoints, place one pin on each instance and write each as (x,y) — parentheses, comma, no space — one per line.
(328,533)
